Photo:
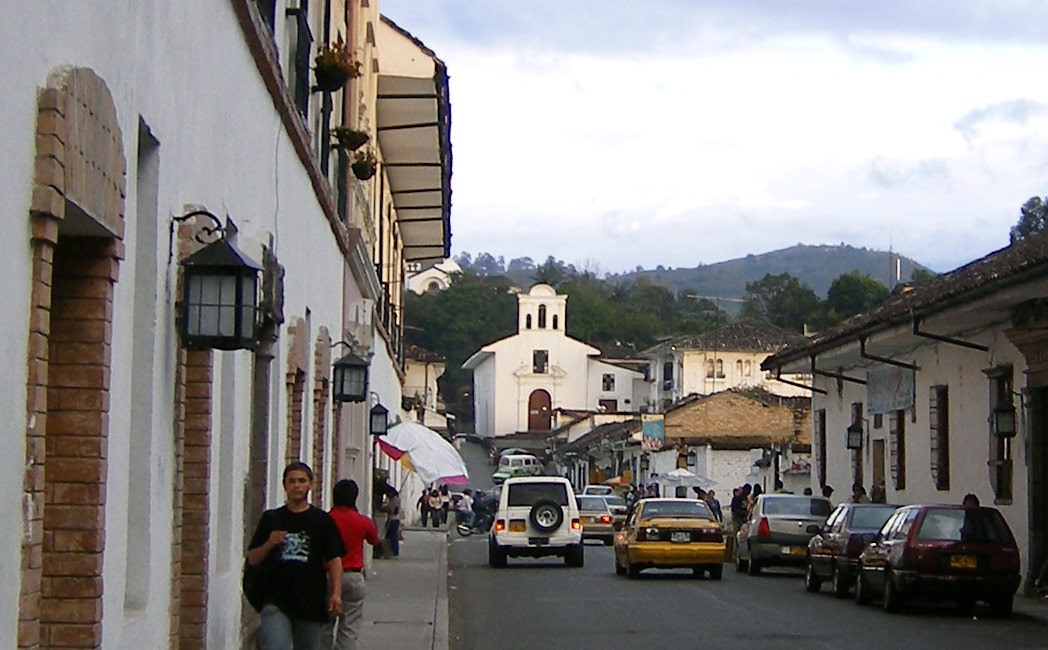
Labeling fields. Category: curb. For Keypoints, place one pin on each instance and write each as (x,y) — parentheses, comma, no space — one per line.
(440,616)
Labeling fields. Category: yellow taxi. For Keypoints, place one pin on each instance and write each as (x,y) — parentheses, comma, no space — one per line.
(669,534)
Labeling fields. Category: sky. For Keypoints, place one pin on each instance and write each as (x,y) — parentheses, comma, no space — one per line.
(613,134)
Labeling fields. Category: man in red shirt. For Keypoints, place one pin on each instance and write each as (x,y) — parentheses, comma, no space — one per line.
(355,529)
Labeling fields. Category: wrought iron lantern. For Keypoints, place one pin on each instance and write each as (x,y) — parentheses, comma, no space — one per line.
(379,420)
(692,458)
(220,305)
(1002,420)
(645,462)
(854,435)
(349,379)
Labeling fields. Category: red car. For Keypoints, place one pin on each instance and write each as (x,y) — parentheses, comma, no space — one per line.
(833,553)
(941,552)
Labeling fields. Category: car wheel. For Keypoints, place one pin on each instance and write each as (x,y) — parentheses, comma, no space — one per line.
(754,569)
(862,589)
(496,556)
(839,586)
(575,556)
(546,516)
(740,564)
(811,582)
(1001,606)
(716,571)
(892,597)
(608,541)
(966,605)
(634,570)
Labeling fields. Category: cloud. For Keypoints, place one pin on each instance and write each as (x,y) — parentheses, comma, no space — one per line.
(1018,112)
(887,173)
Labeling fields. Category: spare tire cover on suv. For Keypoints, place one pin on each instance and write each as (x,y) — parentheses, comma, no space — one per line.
(546,516)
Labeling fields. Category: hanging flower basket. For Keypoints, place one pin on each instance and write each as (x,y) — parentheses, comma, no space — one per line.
(335,66)
(364,165)
(349,139)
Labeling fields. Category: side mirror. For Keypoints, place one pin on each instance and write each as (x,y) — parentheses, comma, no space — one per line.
(617,526)
(813,529)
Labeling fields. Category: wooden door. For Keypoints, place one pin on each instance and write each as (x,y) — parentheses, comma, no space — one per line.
(609,405)
(539,412)
(878,462)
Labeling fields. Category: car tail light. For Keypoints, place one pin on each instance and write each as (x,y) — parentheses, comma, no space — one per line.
(764,528)
(500,526)
(576,524)
(605,519)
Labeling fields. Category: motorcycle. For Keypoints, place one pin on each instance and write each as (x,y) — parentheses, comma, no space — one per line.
(478,528)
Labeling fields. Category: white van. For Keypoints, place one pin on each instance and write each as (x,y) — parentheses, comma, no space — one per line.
(516,465)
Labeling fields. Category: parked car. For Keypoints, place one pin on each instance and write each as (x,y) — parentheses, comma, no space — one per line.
(516,465)
(670,534)
(776,533)
(497,454)
(833,552)
(941,552)
(596,518)
(599,490)
(617,506)
(537,517)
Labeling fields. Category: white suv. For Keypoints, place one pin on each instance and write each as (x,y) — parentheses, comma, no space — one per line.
(537,516)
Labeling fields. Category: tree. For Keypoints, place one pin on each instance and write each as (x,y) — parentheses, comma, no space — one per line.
(1033,219)
(553,272)
(920,275)
(853,293)
(780,300)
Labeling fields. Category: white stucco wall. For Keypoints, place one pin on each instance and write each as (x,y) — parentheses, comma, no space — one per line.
(961,370)
(186,72)
(690,374)
(623,390)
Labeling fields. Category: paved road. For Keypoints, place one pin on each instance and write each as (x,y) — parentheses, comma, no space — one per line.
(543,605)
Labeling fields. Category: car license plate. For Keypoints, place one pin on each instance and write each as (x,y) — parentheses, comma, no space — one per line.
(963,562)
(516,527)
(586,520)
(538,541)
(798,550)
(680,536)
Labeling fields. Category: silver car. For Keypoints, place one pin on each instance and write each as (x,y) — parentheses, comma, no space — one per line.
(775,534)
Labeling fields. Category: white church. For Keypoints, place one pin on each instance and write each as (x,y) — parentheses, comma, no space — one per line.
(519,381)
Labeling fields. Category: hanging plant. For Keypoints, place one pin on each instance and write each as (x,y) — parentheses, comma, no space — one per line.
(350,139)
(364,164)
(335,66)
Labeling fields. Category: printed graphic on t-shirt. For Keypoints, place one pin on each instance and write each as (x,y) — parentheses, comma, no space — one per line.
(295,548)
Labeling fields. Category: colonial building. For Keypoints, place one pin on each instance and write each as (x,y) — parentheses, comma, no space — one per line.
(422,400)
(143,142)
(727,357)
(941,391)
(743,436)
(431,277)
(520,380)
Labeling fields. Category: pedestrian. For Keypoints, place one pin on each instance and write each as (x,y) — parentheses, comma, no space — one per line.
(877,494)
(391,506)
(751,500)
(970,501)
(295,541)
(445,504)
(827,491)
(859,494)
(435,508)
(714,504)
(808,492)
(464,508)
(422,505)
(740,506)
(355,529)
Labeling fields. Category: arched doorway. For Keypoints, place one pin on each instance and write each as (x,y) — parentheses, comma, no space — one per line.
(540,414)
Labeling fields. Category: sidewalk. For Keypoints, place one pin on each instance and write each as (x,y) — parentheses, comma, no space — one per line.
(406,607)
(1031,609)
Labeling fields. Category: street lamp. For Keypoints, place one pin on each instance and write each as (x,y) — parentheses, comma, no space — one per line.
(645,462)
(692,459)
(219,305)
(853,435)
(379,420)
(1002,420)
(349,378)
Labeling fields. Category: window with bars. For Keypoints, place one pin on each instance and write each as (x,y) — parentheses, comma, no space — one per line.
(897,447)
(856,454)
(607,382)
(720,368)
(709,368)
(540,362)
(939,435)
(301,55)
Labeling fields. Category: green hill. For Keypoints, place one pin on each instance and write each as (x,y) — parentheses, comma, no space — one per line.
(815,266)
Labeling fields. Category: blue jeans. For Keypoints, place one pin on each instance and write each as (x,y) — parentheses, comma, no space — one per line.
(393,535)
(278,631)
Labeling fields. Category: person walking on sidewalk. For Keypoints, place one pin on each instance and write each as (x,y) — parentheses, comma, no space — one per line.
(295,541)
(391,506)
(355,529)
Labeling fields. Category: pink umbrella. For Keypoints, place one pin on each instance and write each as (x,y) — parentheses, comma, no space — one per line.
(423,451)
